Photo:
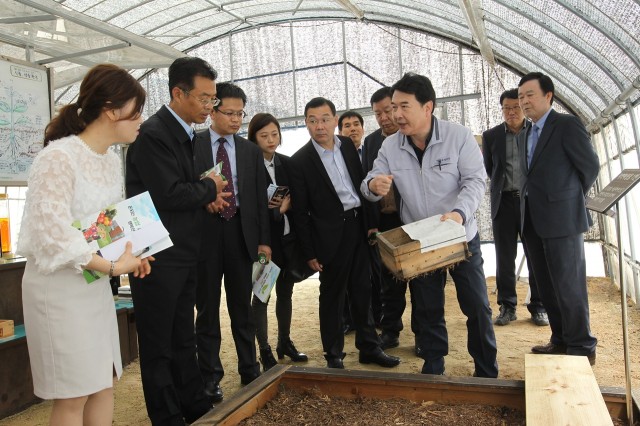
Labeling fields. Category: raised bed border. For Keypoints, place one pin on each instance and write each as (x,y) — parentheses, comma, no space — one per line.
(384,385)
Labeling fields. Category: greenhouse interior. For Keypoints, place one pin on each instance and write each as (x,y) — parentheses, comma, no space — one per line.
(284,53)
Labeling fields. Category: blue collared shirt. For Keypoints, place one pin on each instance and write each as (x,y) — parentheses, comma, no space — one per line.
(540,125)
(336,168)
(187,128)
(231,152)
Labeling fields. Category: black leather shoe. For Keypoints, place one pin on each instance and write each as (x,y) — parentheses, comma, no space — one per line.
(288,348)
(540,319)
(549,349)
(380,358)
(245,379)
(388,341)
(213,390)
(334,363)
(266,358)
(506,316)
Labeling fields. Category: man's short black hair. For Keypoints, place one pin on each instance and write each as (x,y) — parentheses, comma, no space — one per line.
(229,90)
(509,94)
(349,114)
(417,85)
(183,71)
(380,94)
(546,84)
(318,102)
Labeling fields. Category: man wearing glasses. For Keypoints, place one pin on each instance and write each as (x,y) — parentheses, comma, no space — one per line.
(503,165)
(161,162)
(329,216)
(232,239)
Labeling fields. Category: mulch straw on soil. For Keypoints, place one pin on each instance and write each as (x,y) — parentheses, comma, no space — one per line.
(313,408)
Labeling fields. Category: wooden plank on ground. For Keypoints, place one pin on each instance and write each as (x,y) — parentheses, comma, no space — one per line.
(562,390)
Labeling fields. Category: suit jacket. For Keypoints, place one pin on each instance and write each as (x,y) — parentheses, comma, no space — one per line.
(251,192)
(161,161)
(317,209)
(276,220)
(494,151)
(563,169)
(371,146)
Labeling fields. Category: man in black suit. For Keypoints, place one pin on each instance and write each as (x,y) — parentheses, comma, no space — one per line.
(385,217)
(503,165)
(161,162)
(351,125)
(560,167)
(232,240)
(329,218)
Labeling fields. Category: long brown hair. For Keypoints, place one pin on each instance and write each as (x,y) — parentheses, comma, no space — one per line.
(259,121)
(104,86)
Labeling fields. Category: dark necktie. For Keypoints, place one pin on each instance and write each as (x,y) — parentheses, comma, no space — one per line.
(223,157)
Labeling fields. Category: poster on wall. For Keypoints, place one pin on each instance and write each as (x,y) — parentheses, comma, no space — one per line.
(25,110)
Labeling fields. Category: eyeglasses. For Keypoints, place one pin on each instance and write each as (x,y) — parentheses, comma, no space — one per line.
(231,114)
(204,101)
(325,121)
(509,109)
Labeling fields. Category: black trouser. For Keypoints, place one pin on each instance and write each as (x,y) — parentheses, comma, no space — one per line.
(228,257)
(560,268)
(393,291)
(284,292)
(348,270)
(471,290)
(506,229)
(171,381)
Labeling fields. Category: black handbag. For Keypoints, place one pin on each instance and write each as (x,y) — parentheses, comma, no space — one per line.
(296,266)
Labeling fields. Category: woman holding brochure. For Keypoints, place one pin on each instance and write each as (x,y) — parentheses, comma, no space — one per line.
(264,130)
(71,325)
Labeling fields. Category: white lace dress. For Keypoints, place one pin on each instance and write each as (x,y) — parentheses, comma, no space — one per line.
(71,326)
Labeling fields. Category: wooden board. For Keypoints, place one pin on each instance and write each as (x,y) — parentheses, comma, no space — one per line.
(562,390)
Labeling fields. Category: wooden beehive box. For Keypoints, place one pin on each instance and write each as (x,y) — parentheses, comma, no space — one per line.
(405,259)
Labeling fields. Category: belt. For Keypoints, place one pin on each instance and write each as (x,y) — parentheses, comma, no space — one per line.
(351,213)
(514,194)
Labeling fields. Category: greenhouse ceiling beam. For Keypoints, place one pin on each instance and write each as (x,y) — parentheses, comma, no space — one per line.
(367,111)
(540,47)
(49,51)
(474,15)
(606,114)
(603,63)
(221,8)
(83,53)
(27,19)
(351,7)
(50,6)
(631,55)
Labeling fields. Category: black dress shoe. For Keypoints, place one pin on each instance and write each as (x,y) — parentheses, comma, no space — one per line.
(549,349)
(213,390)
(288,348)
(335,363)
(245,379)
(266,358)
(540,318)
(388,341)
(380,358)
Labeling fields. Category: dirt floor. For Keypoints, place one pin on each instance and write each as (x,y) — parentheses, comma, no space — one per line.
(514,341)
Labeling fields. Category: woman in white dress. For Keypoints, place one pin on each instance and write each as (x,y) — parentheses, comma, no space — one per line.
(71,327)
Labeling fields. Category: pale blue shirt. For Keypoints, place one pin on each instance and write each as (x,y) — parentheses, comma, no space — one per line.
(187,128)
(231,152)
(540,124)
(339,174)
